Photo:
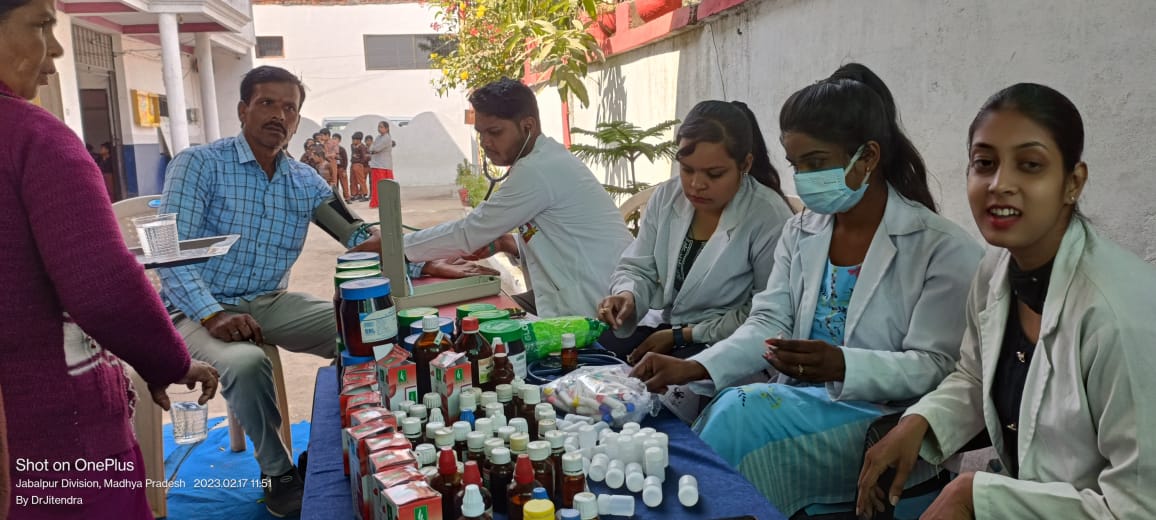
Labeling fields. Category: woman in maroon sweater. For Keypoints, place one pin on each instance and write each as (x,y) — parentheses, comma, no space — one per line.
(76,306)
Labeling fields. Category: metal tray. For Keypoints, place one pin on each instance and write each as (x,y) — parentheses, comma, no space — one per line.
(193,251)
(450,291)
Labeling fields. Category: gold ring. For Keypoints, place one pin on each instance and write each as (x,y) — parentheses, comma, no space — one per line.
(800,369)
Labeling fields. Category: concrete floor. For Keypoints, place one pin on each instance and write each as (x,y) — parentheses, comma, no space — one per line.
(421,207)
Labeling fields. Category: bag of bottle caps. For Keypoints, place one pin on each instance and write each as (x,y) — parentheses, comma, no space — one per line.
(605,393)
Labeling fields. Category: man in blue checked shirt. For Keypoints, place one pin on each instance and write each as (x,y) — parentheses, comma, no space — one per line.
(246,185)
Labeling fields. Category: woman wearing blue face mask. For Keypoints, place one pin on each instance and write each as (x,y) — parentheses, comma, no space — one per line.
(863,312)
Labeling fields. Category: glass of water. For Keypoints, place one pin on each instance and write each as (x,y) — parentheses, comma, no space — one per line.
(190,422)
(158,234)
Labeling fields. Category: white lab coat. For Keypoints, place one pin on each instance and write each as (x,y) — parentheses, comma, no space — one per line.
(905,318)
(1086,435)
(577,232)
(733,265)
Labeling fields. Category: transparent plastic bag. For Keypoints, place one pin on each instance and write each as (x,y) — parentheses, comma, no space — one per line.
(605,393)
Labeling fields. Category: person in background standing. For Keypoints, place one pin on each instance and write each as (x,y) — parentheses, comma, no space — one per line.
(342,169)
(77,306)
(359,168)
(380,160)
(107,163)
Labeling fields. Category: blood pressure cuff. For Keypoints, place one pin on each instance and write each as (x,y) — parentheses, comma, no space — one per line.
(336,219)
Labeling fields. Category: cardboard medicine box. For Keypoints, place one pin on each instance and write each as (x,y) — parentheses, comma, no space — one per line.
(450,373)
(412,501)
(396,375)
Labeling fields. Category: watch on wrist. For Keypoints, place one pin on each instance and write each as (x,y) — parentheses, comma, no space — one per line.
(679,339)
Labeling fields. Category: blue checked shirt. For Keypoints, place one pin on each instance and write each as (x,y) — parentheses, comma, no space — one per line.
(220,189)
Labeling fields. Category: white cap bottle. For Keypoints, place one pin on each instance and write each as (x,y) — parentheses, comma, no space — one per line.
(461,431)
(472,504)
(688,490)
(652,492)
(587,505)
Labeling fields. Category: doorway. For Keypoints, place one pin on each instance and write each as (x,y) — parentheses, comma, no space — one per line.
(95,68)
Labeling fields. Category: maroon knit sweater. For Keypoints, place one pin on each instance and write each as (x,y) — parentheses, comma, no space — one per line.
(66,396)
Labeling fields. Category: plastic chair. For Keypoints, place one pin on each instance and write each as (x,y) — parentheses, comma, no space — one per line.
(148,421)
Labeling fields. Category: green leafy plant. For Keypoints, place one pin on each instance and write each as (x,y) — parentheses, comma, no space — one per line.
(497,38)
(617,141)
(474,183)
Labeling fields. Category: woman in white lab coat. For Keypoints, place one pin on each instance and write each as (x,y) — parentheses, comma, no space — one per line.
(706,242)
(863,312)
(1057,358)
(570,234)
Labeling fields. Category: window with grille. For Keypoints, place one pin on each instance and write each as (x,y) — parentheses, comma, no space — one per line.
(270,47)
(92,48)
(404,51)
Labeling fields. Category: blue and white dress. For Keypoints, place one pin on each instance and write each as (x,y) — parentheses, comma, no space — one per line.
(794,443)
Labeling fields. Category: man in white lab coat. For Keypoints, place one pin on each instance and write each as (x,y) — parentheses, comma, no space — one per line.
(569,234)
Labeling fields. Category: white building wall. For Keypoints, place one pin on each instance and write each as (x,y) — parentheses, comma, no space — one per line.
(941,61)
(66,74)
(324,46)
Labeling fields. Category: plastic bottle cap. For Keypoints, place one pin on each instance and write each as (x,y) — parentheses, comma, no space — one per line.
(520,424)
(426,454)
(538,509)
(430,323)
(505,432)
(614,477)
(469,324)
(435,415)
(475,440)
(365,289)
(461,431)
(489,397)
(447,462)
(432,400)
(472,504)
(484,425)
(444,437)
(634,481)
(539,450)
(688,490)
(406,405)
(616,505)
(648,430)
(471,474)
(556,438)
(539,493)
(531,394)
(651,495)
(653,455)
(499,346)
(545,411)
(688,496)
(523,471)
(505,392)
(467,401)
(569,514)
(568,340)
(491,444)
(587,505)
(411,426)
(571,463)
(419,411)
(519,442)
(500,455)
(431,429)
(493,409)
(546,425)
(400,416)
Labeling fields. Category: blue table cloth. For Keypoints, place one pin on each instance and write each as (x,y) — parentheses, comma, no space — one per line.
(723,492)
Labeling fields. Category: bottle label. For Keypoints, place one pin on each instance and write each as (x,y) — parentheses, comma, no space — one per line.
(379,325)
(485,370)
(519,362)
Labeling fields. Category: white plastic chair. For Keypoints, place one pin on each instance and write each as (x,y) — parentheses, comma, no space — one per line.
(148,421)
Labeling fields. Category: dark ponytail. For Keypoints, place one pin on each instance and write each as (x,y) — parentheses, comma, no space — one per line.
(735,127)
(854,106)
